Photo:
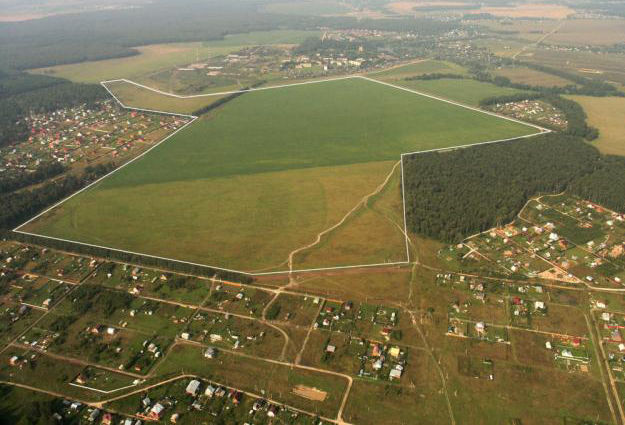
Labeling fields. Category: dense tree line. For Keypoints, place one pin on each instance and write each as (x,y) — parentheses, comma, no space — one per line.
(584,86)
(605,185)
(17,207)
(10,183)
(436,76)
(452,194)
(129,258)
(575,116)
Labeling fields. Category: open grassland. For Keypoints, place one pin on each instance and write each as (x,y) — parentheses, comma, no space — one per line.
(247,221)
(380,218)
(608,115)
(466,91)
(158,57)
(529,10)
(523,75)
(137,97)
(266,173)
(425,66)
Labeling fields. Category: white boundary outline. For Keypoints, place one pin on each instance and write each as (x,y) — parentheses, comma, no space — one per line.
(541,130)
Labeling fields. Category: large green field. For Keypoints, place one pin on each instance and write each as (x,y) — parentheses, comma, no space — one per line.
(260,177)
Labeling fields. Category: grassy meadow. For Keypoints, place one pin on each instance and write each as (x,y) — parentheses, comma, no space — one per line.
(468,92)
(425,66)
(138,97)
(608,115)
(244,186)
(524,75)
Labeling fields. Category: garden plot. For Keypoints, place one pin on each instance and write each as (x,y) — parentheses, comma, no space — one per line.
(234,298)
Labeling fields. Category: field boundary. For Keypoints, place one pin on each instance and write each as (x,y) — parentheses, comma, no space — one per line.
(193,118)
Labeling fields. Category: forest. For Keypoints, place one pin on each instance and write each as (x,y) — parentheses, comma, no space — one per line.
(453,194)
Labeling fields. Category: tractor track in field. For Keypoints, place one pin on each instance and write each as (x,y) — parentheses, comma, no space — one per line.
(362,202)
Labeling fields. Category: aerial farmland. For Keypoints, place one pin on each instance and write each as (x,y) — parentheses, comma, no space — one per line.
(267,173)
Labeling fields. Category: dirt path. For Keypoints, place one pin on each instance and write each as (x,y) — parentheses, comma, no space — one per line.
(362,202)
(603,362)
(424,340)
(541,39)
(298,358)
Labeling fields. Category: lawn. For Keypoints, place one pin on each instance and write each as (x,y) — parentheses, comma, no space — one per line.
(260,177)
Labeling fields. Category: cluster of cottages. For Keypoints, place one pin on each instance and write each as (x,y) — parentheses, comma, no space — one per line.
(380,355)
(220,331)
(571,352)
(540,251)
(80,133)
(201,393)
(334,316)
(533,110)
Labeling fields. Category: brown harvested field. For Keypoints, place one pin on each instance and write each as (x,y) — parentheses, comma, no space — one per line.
(532,77)
(310,393)
(525,29)
(608,115)
(410,7)
(529,10)
(589,31)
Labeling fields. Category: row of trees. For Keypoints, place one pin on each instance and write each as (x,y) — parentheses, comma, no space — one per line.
(130,258)
(17,207)
(436,76)
(452,194)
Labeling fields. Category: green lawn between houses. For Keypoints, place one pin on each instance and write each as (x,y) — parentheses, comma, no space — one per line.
(247,184)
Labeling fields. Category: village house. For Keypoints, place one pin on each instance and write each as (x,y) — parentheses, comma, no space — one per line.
(156,412)
(193,387)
